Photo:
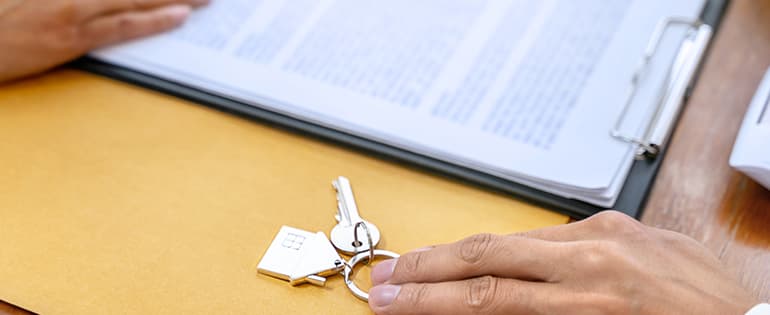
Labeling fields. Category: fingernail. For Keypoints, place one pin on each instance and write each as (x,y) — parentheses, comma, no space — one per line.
(178,12)
(383,295)
(382,272)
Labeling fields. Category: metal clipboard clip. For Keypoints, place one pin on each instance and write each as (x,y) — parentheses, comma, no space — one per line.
(677,83)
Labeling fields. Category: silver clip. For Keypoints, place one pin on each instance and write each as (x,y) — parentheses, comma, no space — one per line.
(678,79)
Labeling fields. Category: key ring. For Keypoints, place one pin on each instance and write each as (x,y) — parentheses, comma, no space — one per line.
(355,260)
(356,242)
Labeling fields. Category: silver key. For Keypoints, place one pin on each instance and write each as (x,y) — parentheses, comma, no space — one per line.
(344,233)
(300,256)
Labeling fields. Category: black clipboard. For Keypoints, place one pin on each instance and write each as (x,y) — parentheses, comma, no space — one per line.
(632,198)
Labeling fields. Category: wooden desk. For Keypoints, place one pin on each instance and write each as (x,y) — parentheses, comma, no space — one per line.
(696,192)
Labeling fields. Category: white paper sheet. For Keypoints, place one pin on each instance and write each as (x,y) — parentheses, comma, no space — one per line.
(527,90)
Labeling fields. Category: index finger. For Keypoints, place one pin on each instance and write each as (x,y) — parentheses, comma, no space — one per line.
(483,295)
(484,254)
(95,8)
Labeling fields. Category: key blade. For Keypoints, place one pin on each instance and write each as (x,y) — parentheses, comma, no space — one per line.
(340,205)
(346,202)
(343,234)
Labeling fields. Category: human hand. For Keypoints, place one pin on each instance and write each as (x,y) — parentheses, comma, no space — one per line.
(36,35)
(607,264)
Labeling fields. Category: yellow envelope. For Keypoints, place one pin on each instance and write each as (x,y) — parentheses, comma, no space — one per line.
(116,199)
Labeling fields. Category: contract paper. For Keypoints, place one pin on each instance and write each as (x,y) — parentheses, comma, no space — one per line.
(525,90)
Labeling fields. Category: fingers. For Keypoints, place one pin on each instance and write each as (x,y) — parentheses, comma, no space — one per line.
(116,28)
(484,254)
(533,255)
(484,295)
(96,8)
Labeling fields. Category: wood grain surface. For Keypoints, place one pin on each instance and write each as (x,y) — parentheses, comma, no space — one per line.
(8,309)
(697,193)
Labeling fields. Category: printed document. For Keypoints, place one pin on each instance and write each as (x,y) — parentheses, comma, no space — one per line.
(525,90)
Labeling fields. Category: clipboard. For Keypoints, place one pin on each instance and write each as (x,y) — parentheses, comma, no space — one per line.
(651,145)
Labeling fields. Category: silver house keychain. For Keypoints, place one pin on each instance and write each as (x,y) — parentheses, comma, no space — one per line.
(300,256)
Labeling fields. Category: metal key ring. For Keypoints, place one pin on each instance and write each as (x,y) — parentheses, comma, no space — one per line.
(356,241)
(357,259)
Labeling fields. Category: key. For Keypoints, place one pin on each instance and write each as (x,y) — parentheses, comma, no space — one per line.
(301,257)
(343,234)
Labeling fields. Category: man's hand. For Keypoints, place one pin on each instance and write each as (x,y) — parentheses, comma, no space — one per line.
(36,35)
(608,264)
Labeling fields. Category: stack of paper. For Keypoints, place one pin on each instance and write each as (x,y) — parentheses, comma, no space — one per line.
(524,90)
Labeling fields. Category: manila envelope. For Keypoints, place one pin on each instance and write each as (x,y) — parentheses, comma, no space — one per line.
(115,199)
